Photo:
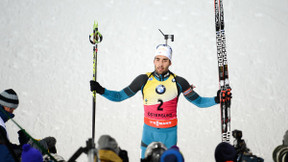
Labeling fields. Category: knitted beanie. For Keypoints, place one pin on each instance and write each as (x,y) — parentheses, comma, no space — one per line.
(172,155)
(225,152)
(9,98)
(164,50)
(107,142)
(30,154)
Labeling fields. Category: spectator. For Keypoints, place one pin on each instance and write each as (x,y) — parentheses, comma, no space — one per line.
(109,151)
(225,152)
(280,153)
(8,103)
(30,154)
(172,155)
(154,152)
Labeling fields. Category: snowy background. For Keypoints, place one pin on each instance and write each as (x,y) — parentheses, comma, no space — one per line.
(47,59)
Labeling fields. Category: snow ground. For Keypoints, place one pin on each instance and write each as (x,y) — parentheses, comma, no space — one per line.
(46,57)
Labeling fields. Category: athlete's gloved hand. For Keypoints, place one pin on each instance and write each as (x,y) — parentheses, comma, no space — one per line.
(95,86)
(217,98)
(225,95)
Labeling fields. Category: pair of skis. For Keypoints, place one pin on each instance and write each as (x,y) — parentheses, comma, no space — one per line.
(225,90)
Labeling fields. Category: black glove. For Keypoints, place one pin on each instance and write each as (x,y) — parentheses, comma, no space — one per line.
(226,95)
(95,86)
(217,98)
(22,137)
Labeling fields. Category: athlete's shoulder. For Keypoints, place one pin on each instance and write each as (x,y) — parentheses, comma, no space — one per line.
(138,82)
(141,77)
(180,79)
(183,83)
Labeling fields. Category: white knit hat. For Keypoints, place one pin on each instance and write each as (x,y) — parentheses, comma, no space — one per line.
(164,50)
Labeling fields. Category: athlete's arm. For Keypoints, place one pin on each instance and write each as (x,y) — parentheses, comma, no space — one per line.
(127,92)
(192,96)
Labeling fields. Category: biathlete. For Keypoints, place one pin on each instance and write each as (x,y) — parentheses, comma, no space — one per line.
(160,89)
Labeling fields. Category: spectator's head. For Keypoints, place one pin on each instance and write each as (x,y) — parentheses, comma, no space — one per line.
(225,152)
(9,100)
(154,151)
(30,154)
(172,155)
(107,142)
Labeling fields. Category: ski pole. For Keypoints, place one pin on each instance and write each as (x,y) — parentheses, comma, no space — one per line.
(96,38)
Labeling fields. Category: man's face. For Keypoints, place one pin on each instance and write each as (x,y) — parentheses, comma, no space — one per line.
(161,64)
(8,109)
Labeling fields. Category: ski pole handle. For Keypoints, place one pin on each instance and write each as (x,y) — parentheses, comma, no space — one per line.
(97,36)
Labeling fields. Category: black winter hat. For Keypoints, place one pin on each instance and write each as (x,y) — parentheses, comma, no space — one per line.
(225,152)
(9,98)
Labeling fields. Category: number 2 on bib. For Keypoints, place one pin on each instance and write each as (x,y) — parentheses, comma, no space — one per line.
(159,108)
